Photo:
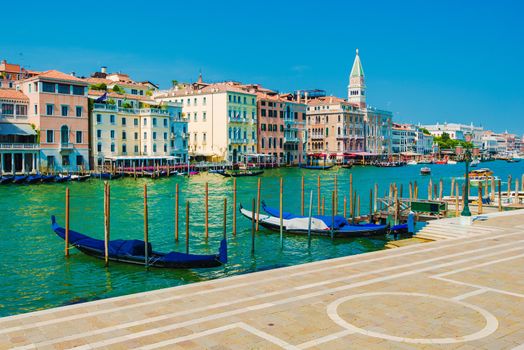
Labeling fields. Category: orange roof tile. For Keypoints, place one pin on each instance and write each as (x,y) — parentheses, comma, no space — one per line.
(56,75)
(113,94)
(13,94)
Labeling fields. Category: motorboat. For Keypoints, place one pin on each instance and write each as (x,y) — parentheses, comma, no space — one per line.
(425,171)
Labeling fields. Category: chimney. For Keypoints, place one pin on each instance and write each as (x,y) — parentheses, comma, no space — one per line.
(305,97)
(103,69)
(298,96)
(73,74)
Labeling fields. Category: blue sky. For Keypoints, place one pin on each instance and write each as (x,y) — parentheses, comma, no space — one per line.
(459,61)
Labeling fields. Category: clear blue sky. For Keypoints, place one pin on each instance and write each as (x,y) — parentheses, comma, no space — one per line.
(460,61)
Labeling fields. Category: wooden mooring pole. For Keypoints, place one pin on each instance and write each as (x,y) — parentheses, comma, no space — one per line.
(302,197)
(309,219)
(318,195)
(66,238)
(479,199)
(345,207)
(456,200)
(106,223)
(176,213)
(333,215)
(370,205)
(146,229)
(206,223)
(259,184)
(440,189)
(234,206)
(224,221)
(253,228)
(351,208)
(500,194)
(187,227)
(336,195)
(375,198)
(281,215)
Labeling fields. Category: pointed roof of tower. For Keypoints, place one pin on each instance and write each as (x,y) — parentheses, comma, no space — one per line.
(357,70)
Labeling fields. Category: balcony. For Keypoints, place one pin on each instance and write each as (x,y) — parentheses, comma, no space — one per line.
(104,107)
(237,119)
(291,139)
(19,146)
(317,137)
(155,111)
(342,137)
(66,147)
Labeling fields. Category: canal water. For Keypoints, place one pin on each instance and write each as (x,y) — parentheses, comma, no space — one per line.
(35,274)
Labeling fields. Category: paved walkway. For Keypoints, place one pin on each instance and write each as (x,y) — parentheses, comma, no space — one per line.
(456,293)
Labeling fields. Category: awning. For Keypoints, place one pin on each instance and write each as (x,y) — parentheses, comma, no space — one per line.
(16,129)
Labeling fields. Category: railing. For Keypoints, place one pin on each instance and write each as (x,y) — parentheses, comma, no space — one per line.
(19,146)
(153,111)
(66,146)
(291,139)
(104,106)
(317,137)
(237,119)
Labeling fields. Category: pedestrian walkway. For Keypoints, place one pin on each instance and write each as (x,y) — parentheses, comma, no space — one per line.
(462,292)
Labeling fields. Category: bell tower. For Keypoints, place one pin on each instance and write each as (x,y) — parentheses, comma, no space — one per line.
(356,87)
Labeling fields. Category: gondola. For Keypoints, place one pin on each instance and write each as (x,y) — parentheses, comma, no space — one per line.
(80,178)
(320,225)
(48,178)
(62,178)
(425,171)
(347,166)
(18,179)
(33,179)
(315,167)
(133,251)
(242,173)
(107,176)
(6,179)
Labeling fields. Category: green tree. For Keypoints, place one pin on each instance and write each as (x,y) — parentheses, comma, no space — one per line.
(100,86)
(118,89)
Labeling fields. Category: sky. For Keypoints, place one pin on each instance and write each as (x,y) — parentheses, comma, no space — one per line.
(426,61)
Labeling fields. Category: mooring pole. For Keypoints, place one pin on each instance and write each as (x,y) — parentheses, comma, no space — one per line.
(302,198)
(206,224)
(224,223)
(332,215)
(67,222)
(309,220)
(146,228)
(281,216)
(253,228)
(187,227)
(234,206)
(500,194)
(318,195)
(479,199)
(176,213)
(258,202)
(336,195)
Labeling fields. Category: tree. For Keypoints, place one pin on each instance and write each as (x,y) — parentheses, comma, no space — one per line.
(127,105)
(425,131)
(101,86)
(118,89)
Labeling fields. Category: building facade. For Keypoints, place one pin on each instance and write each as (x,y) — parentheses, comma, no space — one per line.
(334,127)
(281,123)
(222,119)
(58,109)
(378,130)
(408,139)
(462,132)
(19,148)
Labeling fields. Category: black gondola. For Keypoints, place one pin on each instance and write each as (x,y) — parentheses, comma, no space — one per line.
(133,251)
(6,179)
(242,173)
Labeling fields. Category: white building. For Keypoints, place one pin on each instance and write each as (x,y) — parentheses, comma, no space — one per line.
(410,139)
(462,132)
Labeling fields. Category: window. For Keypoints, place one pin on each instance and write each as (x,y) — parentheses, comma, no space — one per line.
(195,116)
(281,127)
(229,98)
(204,116)
(154,121)
(112,119)
(280,141)
(145,148)
(50,161)
(262,112)
(136,136)
(65,160)
(21,110)
(112,147)
(112,133)
(124,148)
(135,121)
(50,109)
(145,135)
(134,91)
(79,160)
(154,135)
(64,134)
(269,142)
(165,136)
(36,109)
(48,87)
(154,147)
(49,136)
(204,135)
(99,118)
(124,135)
(99,134)
(136,149)
(65,110)
(124,121)
(145,121)
(165,147)
(8,109)
(64,89)
(78,110)
(195,101)
(263,127)
(263,139)
(79,137)
(99,147)
(165,122)
(204,101)
(78,90)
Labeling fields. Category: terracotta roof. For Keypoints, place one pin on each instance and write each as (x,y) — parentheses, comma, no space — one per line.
(13,95)
(92,80)
(56,75)
(326,100)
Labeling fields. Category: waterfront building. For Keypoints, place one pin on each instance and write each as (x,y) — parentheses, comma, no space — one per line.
(410,140)
(222,119)
(281,124)
(334,127)
(129,124)
(19,148)
(10,73)
(461,132)
(58,110)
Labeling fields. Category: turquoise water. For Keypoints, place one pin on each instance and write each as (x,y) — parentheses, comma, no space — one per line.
(36,275)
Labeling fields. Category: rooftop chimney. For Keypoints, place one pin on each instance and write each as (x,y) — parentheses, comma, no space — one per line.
(103,69)
(298,96)
(73,74)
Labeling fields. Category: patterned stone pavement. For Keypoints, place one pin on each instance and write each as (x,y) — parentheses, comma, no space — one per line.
(464,292)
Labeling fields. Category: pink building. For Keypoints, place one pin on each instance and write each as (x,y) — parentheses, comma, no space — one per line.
(58,108)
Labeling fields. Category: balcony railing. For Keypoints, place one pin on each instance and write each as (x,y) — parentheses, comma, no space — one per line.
(317,137)
(103,106)
(19,146)
(153,111)
(66,146)
(237,119)
(291,139)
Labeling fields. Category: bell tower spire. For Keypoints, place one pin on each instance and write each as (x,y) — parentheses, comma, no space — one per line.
(356,87)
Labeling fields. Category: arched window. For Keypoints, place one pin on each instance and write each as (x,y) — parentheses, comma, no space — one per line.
(64,134)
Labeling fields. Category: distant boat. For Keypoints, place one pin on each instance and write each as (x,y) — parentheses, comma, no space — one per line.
(347,166)
(315,167)
(62,178)
(444,161)
(133,251)
(425,171)
(32,179)
(19,179)
(6,179)
(412,162)
(80,178)
(474,163)
(452,162)
(107,176)
(242,173)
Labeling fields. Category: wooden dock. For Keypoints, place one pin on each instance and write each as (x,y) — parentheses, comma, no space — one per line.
(464,291)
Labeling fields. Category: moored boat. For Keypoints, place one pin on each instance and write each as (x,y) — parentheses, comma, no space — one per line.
(5,179)
(320,225)
(107,176)
(80,178)
(482,175)
(242,173)
(451,162)
(18,179)
(425,171)
(62,178)
(412,162)
(315,167)
(48,178)
(33,179)
(134,251)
